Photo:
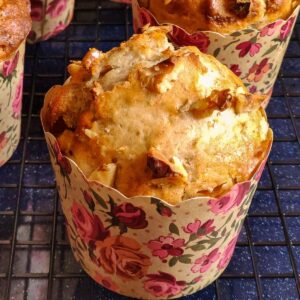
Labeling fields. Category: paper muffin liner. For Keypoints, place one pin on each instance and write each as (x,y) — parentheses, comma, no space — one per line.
(143,247)
(253,55)
(49,18)
(11,91)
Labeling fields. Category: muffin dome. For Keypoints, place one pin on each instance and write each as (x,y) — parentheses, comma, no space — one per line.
(222,16)
(15,24)
(148,119)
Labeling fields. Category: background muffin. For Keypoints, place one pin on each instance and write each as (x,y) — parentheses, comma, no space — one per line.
(152,120)
(219,15)
(249,37)
(15,24)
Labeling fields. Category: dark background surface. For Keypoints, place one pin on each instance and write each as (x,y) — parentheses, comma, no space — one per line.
(36,262)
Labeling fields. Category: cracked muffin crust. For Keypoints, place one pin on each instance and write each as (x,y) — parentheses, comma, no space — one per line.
(224,16)
(15,24)
(148,119)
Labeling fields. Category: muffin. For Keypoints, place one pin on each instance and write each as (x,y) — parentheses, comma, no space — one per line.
(132,134)
(148,119)
(219,15)
(15,24)
(249,37)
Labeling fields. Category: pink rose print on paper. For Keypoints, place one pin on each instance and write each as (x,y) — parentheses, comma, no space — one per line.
(226,256)
(163,285)
(106,282)
(223,204)
(165,211)
(270,29)
(286,29)
(197,279)
(10,65)
(165,246)
(59,28)
(162,209)
(64,164)
(231,199)
(204,263)
(122,257)
(131,216)
(89,227)
(3,140)
(17,102)
(258,71)
(182,38)
(198,228)
(56,8)
(236,70)
(248,47)
(241,191)
(36,10)
(253,89)
(144,18)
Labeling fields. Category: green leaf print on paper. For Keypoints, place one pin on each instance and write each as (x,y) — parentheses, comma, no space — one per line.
(233,42)
(213,242)
(253,40)
(214,234)
(216,52)
(223,232)
(185,259)
(233,224)
(235,34)
(99,199)
(174,229)
(198,247)
(273,48)
(192,237)
(247,31)
(277,40)
(173,261)
(238,224)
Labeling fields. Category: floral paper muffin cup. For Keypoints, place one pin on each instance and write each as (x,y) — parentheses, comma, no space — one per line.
(142,247)
(253,55)
(49,18)
(11,91)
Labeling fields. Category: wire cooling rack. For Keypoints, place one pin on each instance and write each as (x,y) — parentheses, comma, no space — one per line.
(36,262)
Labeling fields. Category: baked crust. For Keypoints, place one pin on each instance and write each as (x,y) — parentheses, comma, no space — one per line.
(15,24)
(224,16)
(169,123)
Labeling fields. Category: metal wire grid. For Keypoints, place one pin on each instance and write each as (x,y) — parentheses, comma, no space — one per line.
(35,258)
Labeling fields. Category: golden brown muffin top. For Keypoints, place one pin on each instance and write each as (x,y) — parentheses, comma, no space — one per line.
(222,16)
(151,120)
(15,24)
